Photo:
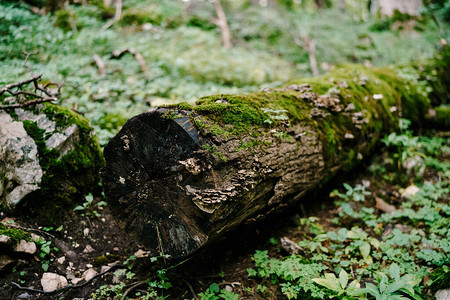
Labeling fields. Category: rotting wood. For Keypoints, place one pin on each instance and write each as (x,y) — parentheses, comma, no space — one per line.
(180,177)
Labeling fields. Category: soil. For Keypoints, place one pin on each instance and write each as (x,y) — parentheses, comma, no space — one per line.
(224,263)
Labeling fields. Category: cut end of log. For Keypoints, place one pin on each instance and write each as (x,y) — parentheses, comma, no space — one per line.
(141,160)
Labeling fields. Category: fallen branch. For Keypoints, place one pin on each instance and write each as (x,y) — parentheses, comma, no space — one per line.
(28,103)
(45,95)
(117,54)
(113,267)
(100,64)
(131,288)
(8,87)
(194,295)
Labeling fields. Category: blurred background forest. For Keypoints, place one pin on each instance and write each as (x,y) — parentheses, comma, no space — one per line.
(118,59)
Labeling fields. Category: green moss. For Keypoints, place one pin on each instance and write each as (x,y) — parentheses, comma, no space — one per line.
(443,115)
(105,259)
(65,179)
(14,233)
(378,96)
(184,106)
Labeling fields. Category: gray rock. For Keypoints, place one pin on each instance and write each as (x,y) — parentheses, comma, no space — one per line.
(19,163)
(89,274)
(4,239)
(25,247)
(442,295)
(62,141)
(23,155)
(42,121)
(25,296)
(51,282)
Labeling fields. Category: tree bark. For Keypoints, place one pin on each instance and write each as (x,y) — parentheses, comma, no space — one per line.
(180,177)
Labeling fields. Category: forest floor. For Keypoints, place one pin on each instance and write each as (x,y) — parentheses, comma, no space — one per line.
(89,240)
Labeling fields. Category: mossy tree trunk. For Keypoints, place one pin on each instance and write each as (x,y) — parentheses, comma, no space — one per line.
(180,177)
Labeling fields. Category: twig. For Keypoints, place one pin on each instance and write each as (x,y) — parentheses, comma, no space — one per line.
(8,87)
(117,54)
(100,64)
(26,58)
(190,288)
(132,287)
(108,24)
(113,267)
(28,103)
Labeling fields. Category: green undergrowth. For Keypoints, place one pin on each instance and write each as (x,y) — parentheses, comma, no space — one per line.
(369,252)
(182,50)
(386,237)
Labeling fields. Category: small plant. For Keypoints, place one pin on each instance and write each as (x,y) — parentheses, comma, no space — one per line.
(106,291)
(356,193)
(392,286)
(214,292)
(45,250)
(406,157)
(88,205)
(340,285)
(275,115)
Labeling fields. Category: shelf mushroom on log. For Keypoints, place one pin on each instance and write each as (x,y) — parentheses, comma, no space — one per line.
(179,177)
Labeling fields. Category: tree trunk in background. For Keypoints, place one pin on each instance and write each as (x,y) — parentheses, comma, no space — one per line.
(387,7)
(118,13)
(180,177)
(222,23)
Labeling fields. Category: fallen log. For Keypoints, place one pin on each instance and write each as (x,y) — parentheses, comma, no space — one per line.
(181,176)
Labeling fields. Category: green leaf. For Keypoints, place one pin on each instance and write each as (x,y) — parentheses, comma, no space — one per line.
(354,289)
(364,248)
(45,266)
(392,288)
(373,290)
(330,282)
(79,207)
(342,234)
(394,272)
(89,198)
(251,272)
(343,279)
(214,287)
